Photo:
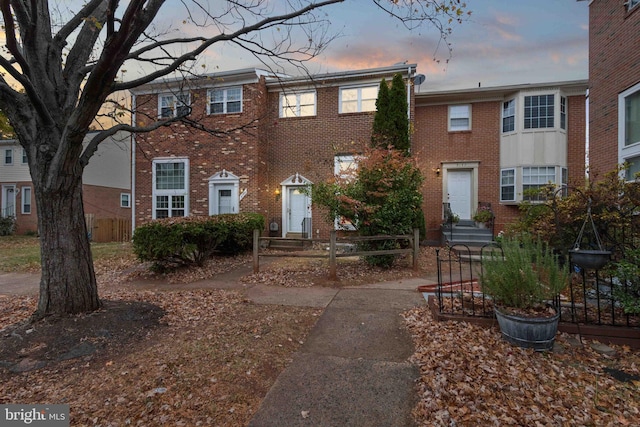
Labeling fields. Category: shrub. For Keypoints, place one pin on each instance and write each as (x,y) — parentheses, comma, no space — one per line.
(384,199)
(627,289)
(174,242)
(525,274)
(7,225)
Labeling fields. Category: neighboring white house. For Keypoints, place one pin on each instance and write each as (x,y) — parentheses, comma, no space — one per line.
(106,182)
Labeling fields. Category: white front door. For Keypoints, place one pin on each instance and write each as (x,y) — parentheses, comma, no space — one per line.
(459,192)
(296,210)
(224,199)
(8,200)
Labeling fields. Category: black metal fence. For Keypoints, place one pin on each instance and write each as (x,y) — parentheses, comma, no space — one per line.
(591,297)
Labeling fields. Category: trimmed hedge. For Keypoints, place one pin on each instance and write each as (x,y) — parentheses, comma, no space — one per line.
(174,242)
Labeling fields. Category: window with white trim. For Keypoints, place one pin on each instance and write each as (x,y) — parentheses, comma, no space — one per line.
(301,104)
(25,160)
(535,178)
(224,100)
(125,200)
(170,188)
(345,167)
(8,156)
(563,112)
(358,99)
(632,118)
(538,111)
(508,185)
(170,105)
(633,168)
(26,200)
(509,116)
(459,117)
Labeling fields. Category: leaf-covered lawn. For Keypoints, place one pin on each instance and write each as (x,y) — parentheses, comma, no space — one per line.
(471,377)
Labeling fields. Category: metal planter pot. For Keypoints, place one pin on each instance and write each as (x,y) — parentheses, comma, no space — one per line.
(590,259)
(538,333)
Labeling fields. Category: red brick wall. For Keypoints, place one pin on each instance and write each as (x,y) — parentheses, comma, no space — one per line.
(308,145)
(104,202)
(576,135)
(25,223)
(231,143)
(614,65)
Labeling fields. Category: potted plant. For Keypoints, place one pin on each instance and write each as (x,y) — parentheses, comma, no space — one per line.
(483,216)
(524,279)
(450,218)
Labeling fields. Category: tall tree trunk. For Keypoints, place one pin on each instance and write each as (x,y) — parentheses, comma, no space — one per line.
(68,283)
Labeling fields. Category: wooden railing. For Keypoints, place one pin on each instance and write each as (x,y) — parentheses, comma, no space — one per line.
(413,249)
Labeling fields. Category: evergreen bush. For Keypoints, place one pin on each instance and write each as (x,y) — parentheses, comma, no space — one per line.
(7,225)
(174,242)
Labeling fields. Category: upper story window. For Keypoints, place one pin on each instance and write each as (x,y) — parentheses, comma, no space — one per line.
(225,100)
(298,104)
(358,99)
(345,167)
(459,117)
(24,157)
(538,111)
(563,112)
(8,156)
(509,116)
(170,188)
(171,105)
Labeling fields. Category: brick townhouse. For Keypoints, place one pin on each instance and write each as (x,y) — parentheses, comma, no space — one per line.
(258,139)
(614,85)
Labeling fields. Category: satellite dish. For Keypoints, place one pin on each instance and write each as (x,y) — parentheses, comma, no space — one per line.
(419,79)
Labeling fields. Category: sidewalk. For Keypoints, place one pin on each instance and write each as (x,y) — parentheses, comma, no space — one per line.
(352,370)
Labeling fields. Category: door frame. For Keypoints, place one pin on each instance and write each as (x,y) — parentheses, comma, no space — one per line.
(224,180)
(471,167)
(3,207)
(294,181)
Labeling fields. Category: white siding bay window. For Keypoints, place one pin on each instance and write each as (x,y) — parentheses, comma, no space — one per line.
(629,130)
(170,188)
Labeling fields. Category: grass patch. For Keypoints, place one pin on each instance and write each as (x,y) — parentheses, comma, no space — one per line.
(22,253)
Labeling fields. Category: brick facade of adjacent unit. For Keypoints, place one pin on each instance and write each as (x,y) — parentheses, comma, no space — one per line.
(614,66)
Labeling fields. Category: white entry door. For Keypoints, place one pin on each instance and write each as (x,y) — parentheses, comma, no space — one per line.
(8,200)
(297,209)
(459,191)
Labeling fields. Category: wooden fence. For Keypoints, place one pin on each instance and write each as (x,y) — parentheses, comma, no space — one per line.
(333,254)
(104,230)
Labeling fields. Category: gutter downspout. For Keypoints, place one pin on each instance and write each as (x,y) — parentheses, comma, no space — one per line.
(409,104)
(133,166)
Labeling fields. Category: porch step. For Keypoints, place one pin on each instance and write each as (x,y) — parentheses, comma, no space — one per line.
(285,244)
(467,233)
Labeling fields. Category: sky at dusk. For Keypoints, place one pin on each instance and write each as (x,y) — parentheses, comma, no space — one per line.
(503,42)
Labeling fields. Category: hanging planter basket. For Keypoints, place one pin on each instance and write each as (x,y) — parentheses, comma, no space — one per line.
(590,259)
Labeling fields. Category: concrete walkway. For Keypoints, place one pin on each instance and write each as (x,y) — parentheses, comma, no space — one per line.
(352,370)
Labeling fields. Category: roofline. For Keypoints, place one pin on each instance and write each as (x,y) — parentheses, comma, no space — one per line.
(422,97)
(405,69)
(232,76)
